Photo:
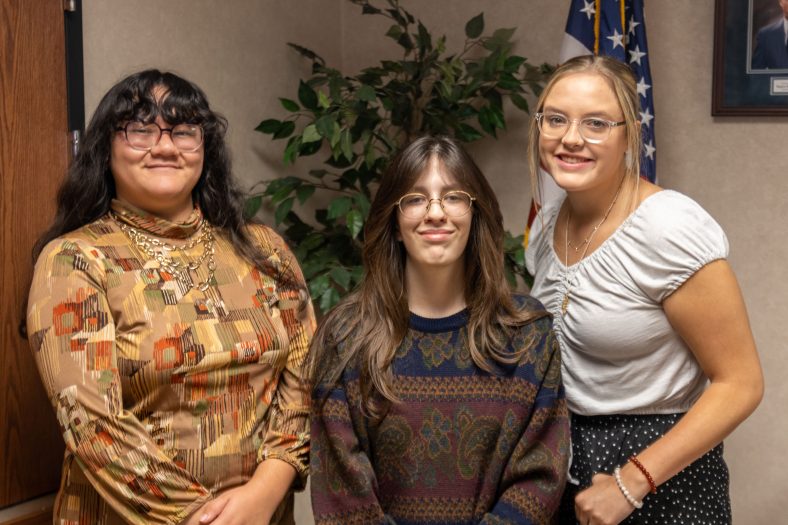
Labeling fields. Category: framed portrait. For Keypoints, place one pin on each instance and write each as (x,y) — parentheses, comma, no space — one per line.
(750,58)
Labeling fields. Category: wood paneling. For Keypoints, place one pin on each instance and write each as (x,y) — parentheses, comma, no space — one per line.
(33,159)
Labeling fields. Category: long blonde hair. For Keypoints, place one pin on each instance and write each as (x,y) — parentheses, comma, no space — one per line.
(621,80)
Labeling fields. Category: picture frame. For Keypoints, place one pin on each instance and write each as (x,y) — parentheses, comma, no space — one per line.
(750,77)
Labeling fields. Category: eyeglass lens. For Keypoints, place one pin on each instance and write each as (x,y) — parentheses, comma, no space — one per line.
(185,137)
(592,130)
(454,203)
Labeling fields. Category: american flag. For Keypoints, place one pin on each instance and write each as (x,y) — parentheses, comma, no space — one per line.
(616,28)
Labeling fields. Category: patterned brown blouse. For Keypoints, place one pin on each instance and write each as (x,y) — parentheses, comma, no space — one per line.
(167,395)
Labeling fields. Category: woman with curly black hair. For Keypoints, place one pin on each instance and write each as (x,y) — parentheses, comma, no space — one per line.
(169,332)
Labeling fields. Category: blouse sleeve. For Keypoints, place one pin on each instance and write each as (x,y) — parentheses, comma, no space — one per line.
(671,240)
(535,475)
(72,336)
(286,435)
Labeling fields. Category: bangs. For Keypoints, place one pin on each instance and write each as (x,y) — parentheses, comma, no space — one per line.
(180,102)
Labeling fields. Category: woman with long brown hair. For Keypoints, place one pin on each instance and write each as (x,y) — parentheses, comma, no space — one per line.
(437,394)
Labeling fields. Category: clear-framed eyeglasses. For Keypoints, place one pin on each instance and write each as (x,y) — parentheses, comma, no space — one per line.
(593,130)
(144,136)
(453,203)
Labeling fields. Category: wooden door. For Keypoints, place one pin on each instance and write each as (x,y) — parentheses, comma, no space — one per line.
(34,154)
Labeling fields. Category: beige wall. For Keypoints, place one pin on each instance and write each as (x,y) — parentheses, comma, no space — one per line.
(734,167)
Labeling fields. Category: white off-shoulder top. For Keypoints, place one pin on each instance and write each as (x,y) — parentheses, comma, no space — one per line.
(620,354)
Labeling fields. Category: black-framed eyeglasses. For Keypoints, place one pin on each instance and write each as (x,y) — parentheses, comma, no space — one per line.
(144,136)
(593,130)
(453,203)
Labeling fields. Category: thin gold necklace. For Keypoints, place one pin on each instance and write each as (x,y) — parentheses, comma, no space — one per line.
(587,242)
(155,249)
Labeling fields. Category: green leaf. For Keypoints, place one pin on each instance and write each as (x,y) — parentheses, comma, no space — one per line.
(394,32)
(323,100)
(340,276)
(504,34)
(328,300)
(366,93)
(307,53)
(269,126)
(362,203)
(510,277)
(304,192)
(346,145)
(513,63)
(309,148)
(325,125)
(370,10)
(307,96)
(310,134)
(519,102)
(405,41)
(282,210)
(318,285)
(285,130)
(354,222)
(291,151)
(468,133)
(475,26)
(424,39)
(356,273)
(284,190)
(339,207)
(496,117)
(289,105)
(485,121)
(252,206)
(336,134)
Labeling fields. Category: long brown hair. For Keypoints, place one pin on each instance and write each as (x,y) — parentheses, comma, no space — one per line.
(367,326)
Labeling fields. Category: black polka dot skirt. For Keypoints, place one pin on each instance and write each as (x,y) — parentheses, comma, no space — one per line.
(698,495)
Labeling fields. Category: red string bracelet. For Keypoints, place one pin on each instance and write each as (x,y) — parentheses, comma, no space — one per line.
(641,468)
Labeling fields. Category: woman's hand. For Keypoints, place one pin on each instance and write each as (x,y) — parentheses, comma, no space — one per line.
(252,503)
(238,506)
(603,503)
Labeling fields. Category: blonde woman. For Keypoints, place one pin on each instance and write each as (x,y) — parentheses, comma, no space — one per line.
(658,358)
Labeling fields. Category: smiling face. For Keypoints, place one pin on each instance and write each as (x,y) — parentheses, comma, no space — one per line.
(160,180)
(575,164)
(437,240)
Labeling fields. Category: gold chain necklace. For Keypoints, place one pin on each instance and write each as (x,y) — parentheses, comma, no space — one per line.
(156,249)
(586,243)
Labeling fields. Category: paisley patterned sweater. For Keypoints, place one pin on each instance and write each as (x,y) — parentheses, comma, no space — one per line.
(463,446)
(165,394)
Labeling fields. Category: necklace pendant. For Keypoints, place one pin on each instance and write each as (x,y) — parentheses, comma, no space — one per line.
(565,304)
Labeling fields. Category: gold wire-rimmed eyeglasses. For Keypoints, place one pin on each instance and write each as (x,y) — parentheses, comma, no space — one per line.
(453,203)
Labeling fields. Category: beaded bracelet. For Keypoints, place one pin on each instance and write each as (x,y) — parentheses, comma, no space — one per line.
(632,501)
(634,460)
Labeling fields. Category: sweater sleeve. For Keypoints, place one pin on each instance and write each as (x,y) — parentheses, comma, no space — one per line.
(344,486)
(72,336)
(286,435)
(535,474)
